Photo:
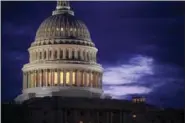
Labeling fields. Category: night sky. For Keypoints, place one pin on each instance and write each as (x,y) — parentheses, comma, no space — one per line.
(140,46)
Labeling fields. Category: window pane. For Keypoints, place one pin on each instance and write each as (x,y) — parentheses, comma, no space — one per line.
(67,78)
(49,78)
(55,77)
(61,77)
(73,77)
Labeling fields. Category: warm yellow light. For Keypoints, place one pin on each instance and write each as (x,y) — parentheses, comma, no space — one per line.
(61,78)
(73,77)
(57,29)
(67,78)
(79,78)
(62,29)
(40,78)
(49,78)
(87,77)
(134,116)
(55,77)
(83,79)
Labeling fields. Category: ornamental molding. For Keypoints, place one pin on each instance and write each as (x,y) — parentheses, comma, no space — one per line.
(31,67)
(43,90)
(63,46)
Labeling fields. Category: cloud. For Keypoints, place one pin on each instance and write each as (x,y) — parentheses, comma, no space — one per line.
(128,73)
(142,75)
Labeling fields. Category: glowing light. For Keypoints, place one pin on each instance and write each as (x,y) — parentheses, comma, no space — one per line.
(55,77)
(61,78)
(134,116)
(49,78)
(73,76)
(67,78)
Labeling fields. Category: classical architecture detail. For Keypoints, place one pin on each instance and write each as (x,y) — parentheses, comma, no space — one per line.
(62,58)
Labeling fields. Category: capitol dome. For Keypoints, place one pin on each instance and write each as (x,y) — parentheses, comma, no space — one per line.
(62,59)
(64,26)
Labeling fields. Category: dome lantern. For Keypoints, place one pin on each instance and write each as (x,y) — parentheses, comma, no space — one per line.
(63,7)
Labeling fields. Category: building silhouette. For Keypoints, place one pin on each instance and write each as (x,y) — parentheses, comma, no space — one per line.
(62,83)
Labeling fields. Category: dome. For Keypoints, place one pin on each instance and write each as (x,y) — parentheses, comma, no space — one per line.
(62,26)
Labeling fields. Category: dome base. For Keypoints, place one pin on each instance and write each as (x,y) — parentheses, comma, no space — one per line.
(87,92)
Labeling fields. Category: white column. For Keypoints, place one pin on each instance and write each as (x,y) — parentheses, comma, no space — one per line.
(24,82)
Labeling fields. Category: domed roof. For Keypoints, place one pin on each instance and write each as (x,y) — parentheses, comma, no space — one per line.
(62,25)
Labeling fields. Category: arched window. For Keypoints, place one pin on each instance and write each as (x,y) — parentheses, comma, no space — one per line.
(55,54)
(50,54)
(44,54)
(87,56)
(36,55)
(61,54)
(40,55)
(67,54)
(84,57)
(79,57)
(73,55)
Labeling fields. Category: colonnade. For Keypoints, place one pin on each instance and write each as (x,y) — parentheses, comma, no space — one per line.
(63,54)
(57,77)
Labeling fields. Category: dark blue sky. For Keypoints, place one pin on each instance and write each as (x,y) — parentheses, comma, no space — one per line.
(140,46)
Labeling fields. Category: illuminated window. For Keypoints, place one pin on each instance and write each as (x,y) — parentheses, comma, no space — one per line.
(87,75)
(55,77)
(44,78)
(67,78)
(40,78)
(61,77)
(134,116)
(62,29)
(83,78)
(73,77)
(75,29)
(57,29)
(49,78)
(79,78)
(71,29)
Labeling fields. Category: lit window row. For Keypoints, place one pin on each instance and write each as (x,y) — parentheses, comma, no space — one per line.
(61,29)
(40,79)
(137,100)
